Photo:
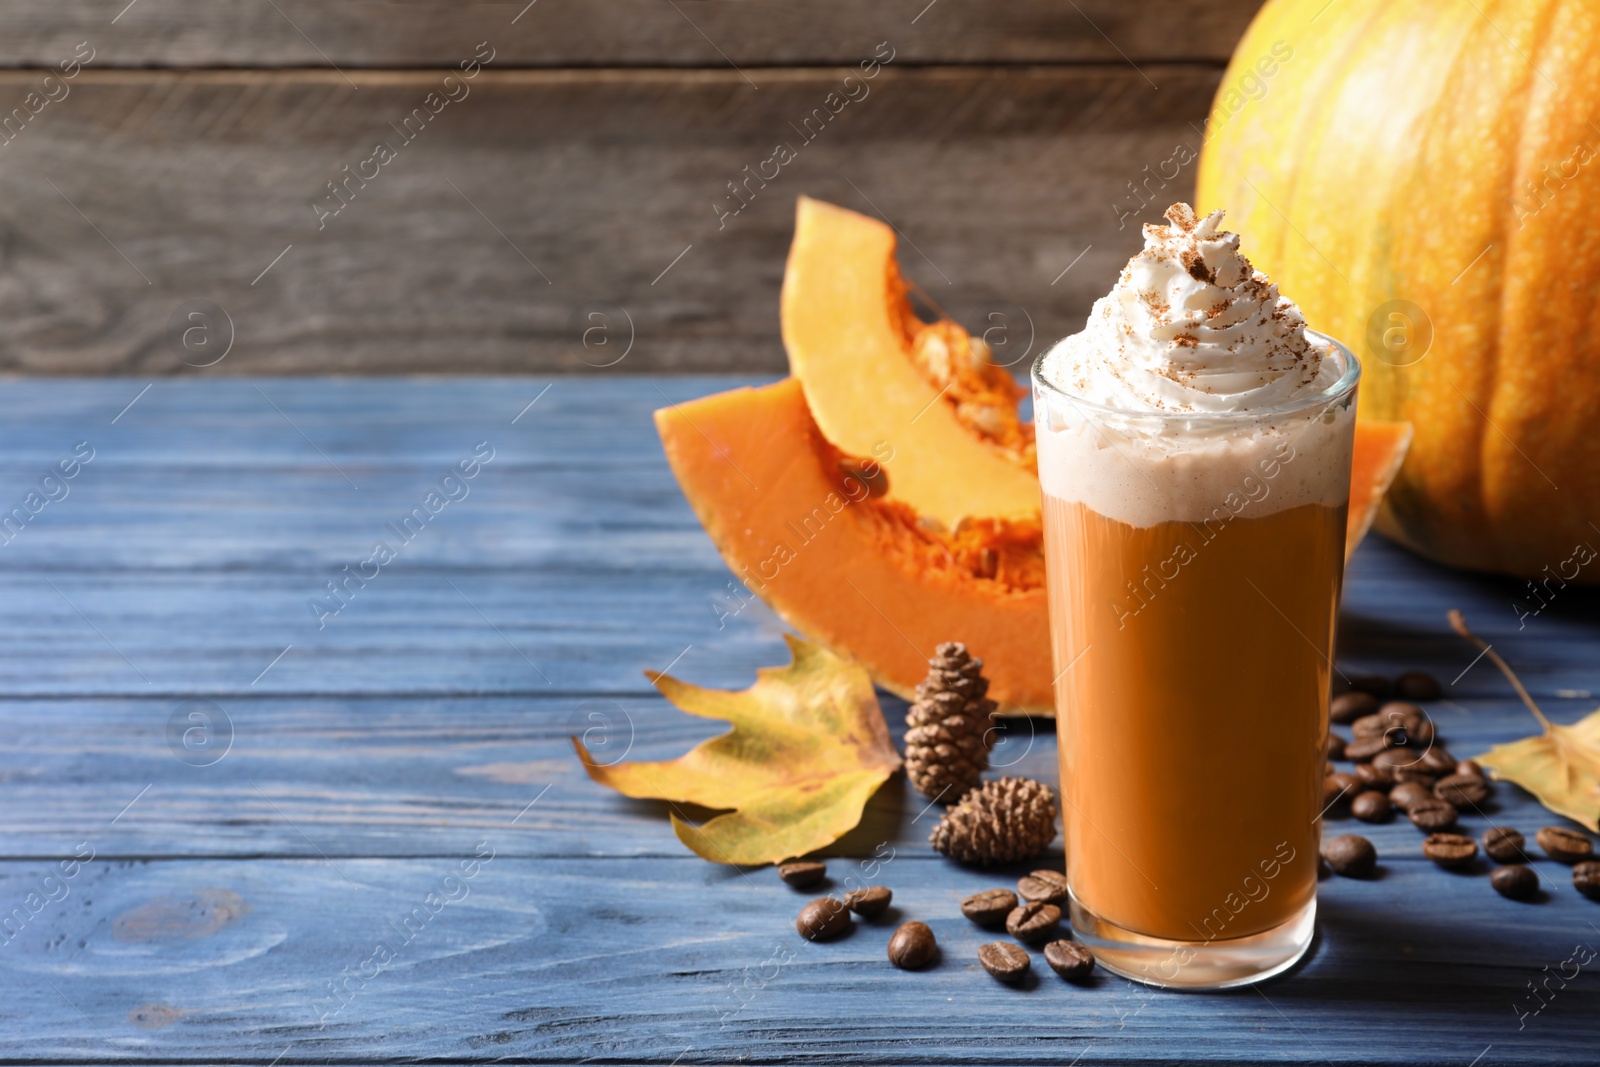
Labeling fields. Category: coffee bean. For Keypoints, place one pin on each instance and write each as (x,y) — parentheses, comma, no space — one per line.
(1586,879)
(1397,721)
(989,907)
(1372,806)
(1337,788)
(1372,776)
(1451,851)
(1044,887)
(1412,774)
(823,919)
(1374,684)
(1565,846)
(1462,790)
(1437,761)
(1372,725)
(1403,710)
(1503,844)
(1349,707)
(1420,731)
(1515,881)
(1470,766)
(1418,685)
(1432,815)
(1395,758)
(1351,855)
(1070,959)
(1404,766)
(1364,748)
(912,946)
(1412,751)
(802,873)
(1033,922)
(1335,746)
(869,903)
(1407,794)
(1404,713)
(1004,960)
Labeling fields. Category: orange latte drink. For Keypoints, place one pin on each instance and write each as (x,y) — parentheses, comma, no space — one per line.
(1194,454)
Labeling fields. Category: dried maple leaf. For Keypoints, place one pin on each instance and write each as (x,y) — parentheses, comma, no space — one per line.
(807,749)
(1560,766)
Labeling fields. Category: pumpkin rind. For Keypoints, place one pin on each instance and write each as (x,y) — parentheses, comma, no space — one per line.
(1389,160)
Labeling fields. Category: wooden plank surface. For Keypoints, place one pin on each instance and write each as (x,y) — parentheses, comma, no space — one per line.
(223,899)
(570,33)
(673,960)
(541,199)
(586,170)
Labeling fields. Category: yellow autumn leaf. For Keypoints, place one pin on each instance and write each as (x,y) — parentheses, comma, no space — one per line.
(1560,766)
(808,748)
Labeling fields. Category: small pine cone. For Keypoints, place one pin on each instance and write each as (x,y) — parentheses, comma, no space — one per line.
(1006,821)
(947,740)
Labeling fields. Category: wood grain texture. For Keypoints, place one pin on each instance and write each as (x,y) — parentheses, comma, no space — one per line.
(543,198)
(674,960)
(237,486)
(224,900)
(570,33)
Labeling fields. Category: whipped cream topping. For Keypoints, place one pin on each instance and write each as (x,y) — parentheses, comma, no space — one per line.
(1196,353)
(1190,326)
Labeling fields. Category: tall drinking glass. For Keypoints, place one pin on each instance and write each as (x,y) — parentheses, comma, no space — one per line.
(1194,566)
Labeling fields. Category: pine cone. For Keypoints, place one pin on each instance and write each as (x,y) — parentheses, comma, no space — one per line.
(1006,821)
(947,745)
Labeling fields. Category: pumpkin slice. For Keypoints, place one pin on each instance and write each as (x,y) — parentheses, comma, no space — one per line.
(882,382)
(796,521)
(1380,448)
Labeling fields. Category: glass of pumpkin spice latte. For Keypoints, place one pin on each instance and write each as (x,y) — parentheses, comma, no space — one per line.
(1194,445)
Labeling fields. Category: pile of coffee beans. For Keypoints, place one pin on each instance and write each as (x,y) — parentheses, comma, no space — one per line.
(1400,764)
(1034,920)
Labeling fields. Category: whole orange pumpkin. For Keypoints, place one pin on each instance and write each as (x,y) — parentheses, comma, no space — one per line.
(1423,177)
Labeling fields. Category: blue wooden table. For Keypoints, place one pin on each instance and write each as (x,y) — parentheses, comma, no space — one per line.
(249,819)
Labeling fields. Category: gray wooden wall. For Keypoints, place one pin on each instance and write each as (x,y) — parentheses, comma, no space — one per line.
(568,203)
